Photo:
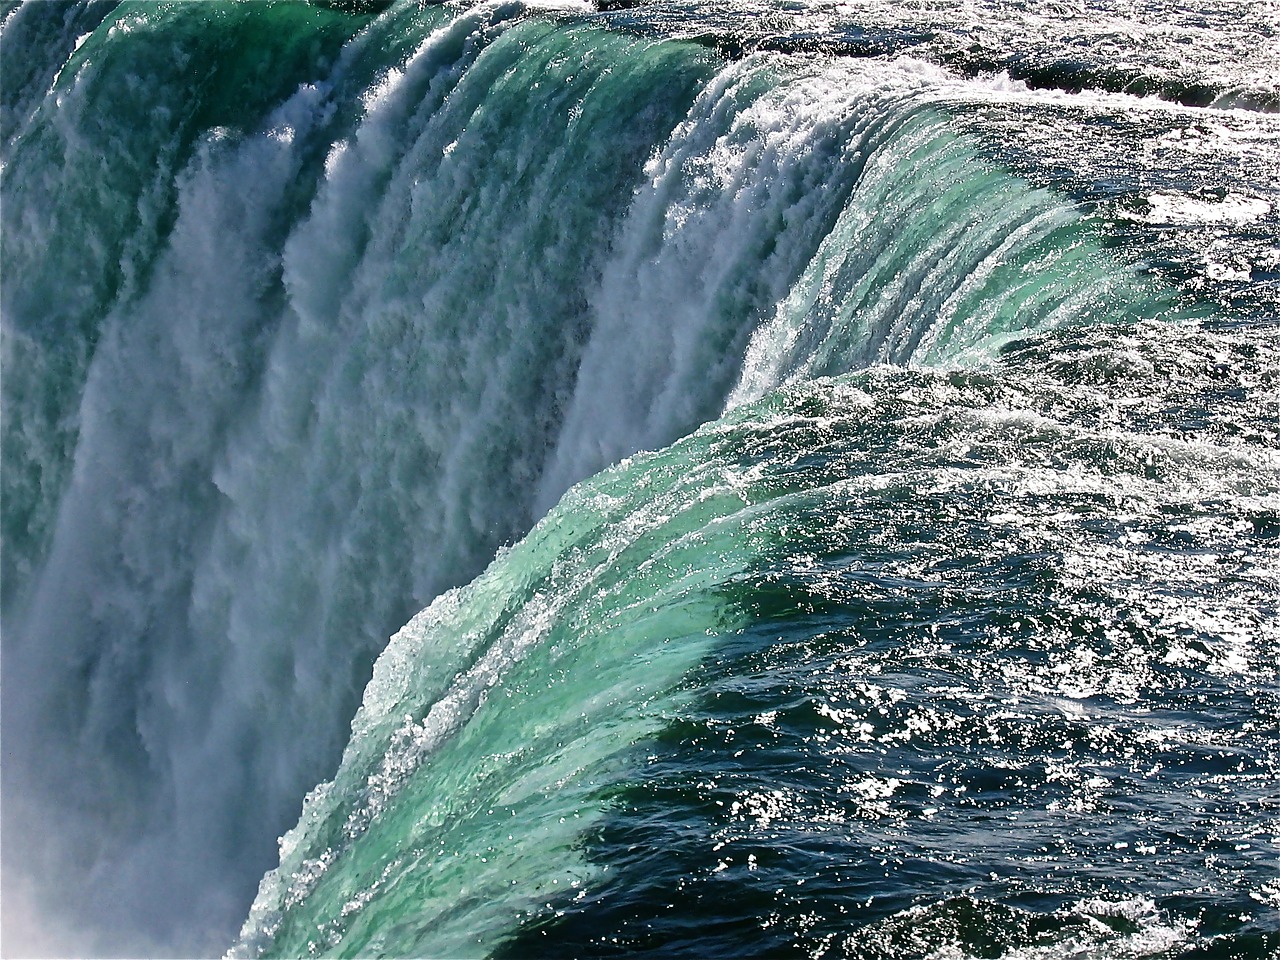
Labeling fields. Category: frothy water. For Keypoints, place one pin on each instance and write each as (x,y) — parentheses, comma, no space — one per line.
(938,618)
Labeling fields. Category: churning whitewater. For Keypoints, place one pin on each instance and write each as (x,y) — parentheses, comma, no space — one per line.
(817,464)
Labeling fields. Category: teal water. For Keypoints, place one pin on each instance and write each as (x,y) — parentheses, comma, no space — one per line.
(818,469)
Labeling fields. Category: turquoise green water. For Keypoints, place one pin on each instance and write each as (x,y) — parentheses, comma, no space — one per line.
(873,634)
(823,503)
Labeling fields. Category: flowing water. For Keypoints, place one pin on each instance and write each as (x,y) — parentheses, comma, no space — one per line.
(818,465)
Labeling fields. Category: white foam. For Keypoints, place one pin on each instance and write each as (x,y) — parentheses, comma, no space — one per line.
(751,168)
(1187,209)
